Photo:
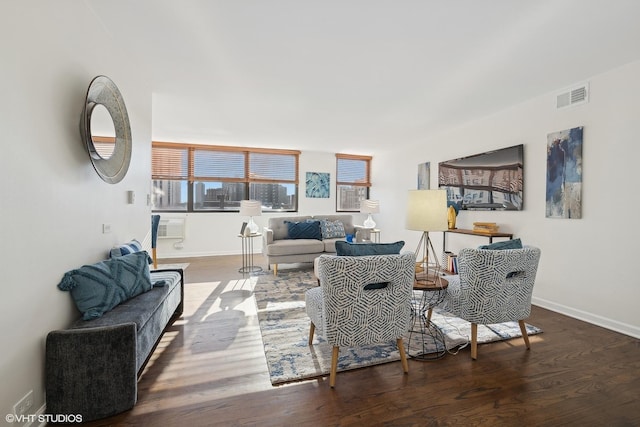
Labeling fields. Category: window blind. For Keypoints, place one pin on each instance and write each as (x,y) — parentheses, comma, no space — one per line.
(267,167)
(218,165)
(170,162)
(195,162)
(353,170)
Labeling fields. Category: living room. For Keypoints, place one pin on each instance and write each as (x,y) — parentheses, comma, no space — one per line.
(54,204)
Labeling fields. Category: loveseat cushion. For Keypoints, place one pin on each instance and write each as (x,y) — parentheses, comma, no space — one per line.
(330,245)
(294,247)
(344,248)
(99,287)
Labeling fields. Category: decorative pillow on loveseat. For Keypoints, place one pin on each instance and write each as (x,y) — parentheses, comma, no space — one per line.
(332,229)
(344,248)
(309,229)
(99,287)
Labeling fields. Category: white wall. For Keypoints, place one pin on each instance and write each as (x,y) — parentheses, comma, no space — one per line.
(586,269)
(53,202)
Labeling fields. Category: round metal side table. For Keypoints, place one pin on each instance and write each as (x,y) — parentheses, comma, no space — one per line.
(426,339)
(247,254)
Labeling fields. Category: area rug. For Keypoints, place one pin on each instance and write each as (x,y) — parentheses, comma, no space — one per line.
(285,332)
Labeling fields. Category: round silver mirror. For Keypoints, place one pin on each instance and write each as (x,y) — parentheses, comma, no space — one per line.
(105,130)
(103,133)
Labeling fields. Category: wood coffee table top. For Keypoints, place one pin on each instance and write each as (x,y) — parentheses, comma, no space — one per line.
(429,283)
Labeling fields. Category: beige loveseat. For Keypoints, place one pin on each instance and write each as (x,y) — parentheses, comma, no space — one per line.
(278,248)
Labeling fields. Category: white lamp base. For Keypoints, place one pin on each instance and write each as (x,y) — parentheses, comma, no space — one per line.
(252,226)
(369,223)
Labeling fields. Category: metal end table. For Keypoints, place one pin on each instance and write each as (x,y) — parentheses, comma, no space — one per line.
(247,254)
(424,335)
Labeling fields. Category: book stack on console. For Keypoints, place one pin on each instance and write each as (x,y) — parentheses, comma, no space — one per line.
(485,227)
(450,262)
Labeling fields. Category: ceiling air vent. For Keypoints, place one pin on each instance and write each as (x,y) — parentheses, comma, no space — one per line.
(575,96)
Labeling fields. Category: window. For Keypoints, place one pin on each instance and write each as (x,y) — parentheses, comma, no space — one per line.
(203,178)
(352,182)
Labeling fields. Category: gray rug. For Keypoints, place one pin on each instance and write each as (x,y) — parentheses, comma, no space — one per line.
(285,331)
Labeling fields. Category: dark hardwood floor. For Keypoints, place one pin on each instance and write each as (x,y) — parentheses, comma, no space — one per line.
(209,369)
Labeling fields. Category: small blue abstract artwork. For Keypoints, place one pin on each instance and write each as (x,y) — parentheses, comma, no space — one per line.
(317,185)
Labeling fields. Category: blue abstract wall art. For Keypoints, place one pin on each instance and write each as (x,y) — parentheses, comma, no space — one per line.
(564,174)
(424,172)
(317,185)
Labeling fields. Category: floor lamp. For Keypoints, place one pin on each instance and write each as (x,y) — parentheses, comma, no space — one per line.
(427,211)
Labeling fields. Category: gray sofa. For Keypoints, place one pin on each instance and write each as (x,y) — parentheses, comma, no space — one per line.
(92,368)
(278,248)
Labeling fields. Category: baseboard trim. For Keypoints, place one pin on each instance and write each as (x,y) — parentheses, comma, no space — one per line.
(614,325)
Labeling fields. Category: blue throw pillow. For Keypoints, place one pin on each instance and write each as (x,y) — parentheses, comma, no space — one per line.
(99,287)
(332,229)
(126,249)
(344,248)
(507,244)
(309,229)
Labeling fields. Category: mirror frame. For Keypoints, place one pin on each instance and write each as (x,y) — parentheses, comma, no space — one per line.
(103,91)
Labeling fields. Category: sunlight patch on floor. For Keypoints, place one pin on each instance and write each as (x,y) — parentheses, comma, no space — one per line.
(287,305)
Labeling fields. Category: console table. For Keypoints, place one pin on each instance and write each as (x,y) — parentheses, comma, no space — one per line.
(489,235)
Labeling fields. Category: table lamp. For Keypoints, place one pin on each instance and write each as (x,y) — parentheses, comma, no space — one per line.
(427,211)
(369,207)
(251,208)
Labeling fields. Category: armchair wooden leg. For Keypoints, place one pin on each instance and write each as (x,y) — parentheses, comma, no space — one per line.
(334,366)
(312,329)
(525,336)
(474,341)
(275,269)
(429,314)
(154,256)
(403,356)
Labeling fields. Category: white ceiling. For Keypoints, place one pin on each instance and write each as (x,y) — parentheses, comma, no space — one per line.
(355,76)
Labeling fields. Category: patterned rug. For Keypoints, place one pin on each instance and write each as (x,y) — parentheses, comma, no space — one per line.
(285,332)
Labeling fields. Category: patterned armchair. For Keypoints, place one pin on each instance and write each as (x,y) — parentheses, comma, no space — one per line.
(361,300)
(493,286)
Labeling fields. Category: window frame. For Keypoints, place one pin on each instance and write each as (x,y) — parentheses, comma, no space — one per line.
(187,172)
(365,182)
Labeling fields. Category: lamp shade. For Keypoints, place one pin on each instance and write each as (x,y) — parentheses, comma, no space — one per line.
(427,210)
(369,206)
(250,208)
